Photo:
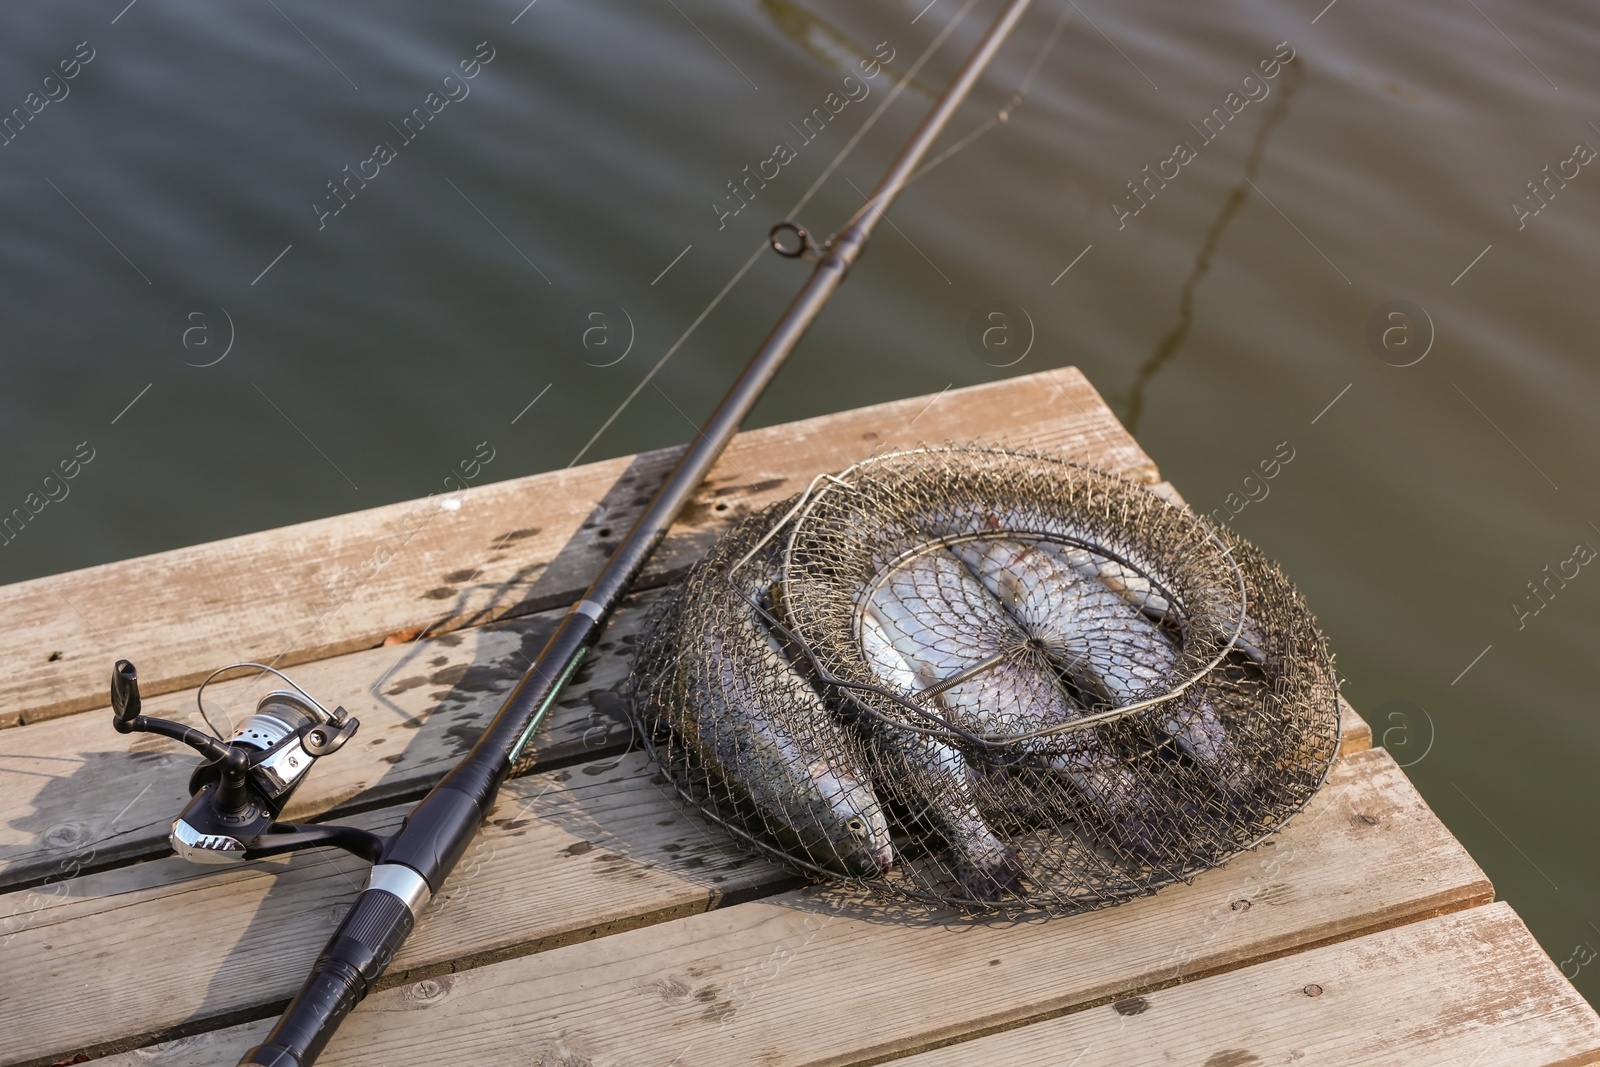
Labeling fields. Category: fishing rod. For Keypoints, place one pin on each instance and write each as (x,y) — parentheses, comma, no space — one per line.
(244,782)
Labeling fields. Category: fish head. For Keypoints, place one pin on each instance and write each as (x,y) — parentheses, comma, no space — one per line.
(873,856)
(852,822)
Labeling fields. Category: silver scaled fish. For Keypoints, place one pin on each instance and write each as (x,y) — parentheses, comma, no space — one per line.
(939,777)
(1126,581)
(768,735)
(982,671)
(1101,641)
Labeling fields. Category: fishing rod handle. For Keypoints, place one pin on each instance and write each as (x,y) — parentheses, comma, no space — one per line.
(367,939)
(417,861)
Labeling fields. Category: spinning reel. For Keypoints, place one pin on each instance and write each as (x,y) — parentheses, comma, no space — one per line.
(243,783)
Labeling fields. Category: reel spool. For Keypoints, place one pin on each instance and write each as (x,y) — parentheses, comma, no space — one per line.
(1013,685)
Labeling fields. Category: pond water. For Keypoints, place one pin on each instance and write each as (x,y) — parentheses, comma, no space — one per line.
(263,262)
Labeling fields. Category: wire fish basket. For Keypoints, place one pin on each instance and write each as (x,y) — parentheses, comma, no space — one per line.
(990,680)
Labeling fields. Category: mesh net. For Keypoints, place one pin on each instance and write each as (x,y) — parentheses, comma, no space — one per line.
(989,679)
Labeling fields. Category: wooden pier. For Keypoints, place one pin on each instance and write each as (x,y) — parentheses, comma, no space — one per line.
(595,923)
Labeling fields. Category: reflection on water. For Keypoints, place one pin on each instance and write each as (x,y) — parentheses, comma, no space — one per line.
(182,172)
(816,35)
(1168,347)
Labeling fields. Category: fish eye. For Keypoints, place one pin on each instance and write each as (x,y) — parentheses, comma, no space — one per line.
(855,826)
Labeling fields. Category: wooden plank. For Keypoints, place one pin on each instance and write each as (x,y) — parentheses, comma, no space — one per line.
(1354,733)
(812,978)
(1469,988)
(341,584)
(566,856)
(78,801)
(81,796)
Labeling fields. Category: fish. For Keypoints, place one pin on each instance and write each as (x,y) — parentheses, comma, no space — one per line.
(760,727)
(959,642)
(1106,646)
(942,781)
(1131,581)
(962,648)
(1140,593)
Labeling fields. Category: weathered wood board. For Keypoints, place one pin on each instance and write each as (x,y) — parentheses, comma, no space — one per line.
(814,977)
(341,584)
(1469,989)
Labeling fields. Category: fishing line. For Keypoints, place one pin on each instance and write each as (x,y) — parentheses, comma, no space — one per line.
(1003,115)
(849,147)
(662,362)
(872,119)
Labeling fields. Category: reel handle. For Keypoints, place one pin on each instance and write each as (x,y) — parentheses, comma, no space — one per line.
(126,718)
(125,702)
